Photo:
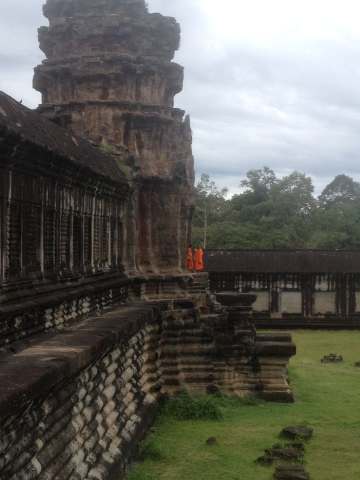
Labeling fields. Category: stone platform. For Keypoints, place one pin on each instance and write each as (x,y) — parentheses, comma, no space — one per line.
(75,404)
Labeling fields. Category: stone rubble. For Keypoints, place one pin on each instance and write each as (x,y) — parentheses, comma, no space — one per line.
(332,358)
(289,458)
(297,432)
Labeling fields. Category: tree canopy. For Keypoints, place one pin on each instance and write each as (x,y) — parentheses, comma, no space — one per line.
(273,212)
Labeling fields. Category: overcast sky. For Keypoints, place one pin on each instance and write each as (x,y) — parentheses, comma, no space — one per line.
(268,82)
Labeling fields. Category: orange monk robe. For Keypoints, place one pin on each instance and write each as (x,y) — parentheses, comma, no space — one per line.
(199,259)
(190,260)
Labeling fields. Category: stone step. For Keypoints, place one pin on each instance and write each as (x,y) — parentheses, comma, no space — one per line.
(187,350)
(184,364)
(184,336)
(191,330)
(181,343)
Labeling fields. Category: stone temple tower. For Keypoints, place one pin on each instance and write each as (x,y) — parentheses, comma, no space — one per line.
(109,76)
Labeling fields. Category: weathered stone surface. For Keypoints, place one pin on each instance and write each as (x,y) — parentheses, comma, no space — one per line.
(85,231)
(290,452)
(291,472)
(297,432)
(216,353)
(74,412)
(332,358)
(109,77)
(86,396)
(310,289)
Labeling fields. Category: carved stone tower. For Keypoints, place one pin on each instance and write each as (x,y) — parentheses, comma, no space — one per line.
(109,76)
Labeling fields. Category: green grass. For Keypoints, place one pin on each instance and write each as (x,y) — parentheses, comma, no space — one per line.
(186,407)
(327,398)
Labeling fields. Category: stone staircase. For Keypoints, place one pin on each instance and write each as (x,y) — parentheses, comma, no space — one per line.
(207,353)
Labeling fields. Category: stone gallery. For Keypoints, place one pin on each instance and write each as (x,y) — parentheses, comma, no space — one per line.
(99,318)
(293,288)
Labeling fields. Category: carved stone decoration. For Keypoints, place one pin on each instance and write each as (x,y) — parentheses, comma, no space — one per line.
(109,76)
(88,342)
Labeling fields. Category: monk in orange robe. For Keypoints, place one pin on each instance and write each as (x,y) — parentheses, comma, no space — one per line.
(190,259)
(199,259)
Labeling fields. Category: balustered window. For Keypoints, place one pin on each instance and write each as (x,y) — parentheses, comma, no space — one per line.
(77,230)
(105,260)
(31,237)
(65,226)
(14,240)
(119,242)
(97,234)
(4,178)
(24,228)
(87,240)
(50,229)
(77,241)
(102,256)
(32,226)
(49,239)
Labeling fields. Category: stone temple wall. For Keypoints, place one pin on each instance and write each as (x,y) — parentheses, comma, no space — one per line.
(294,288)
(66,240)
(109,76)
(84,398)
(98,317)
(91,399)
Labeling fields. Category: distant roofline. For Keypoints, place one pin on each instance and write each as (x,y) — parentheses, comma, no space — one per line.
(282,261)
(285,250)
(26,126)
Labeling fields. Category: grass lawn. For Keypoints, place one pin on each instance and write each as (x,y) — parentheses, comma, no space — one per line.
(327,398)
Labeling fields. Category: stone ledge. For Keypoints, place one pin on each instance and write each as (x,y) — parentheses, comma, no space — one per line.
(159,113)
(37,370)
(84,64)
(36,296)
(275,346)
(49,295)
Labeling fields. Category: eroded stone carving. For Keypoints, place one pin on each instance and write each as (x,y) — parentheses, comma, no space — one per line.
(79,227)
(109,76)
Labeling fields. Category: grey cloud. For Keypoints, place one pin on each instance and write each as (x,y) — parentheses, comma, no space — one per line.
(290,106)
(19,50)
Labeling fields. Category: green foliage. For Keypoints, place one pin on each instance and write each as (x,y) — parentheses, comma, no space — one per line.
(327,399)
(187,407)
(141,475)
(150,451)
(210,207)
(274,212)
(341,191)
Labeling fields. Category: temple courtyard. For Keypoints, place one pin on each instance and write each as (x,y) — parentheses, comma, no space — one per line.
(327,399)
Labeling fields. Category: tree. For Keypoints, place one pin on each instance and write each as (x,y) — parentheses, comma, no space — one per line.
(281,207)
(336,222)
(254,202)
(259,182)
(341,190)
(292,199)
(210,202)
(274,212)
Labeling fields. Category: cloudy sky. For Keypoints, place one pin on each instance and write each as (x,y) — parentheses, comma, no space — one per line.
(272,83)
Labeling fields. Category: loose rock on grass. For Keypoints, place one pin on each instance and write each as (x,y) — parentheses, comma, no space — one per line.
(289,452)
(332,358)
(211,441)
(291,472)
(297,432)
(289,457)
